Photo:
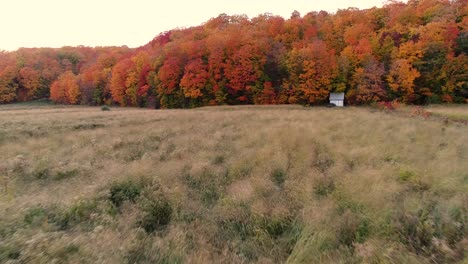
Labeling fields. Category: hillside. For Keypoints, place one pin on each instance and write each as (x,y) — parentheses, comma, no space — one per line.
(414,52)
(244,184)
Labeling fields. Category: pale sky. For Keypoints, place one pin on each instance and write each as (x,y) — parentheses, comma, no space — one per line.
(57,23)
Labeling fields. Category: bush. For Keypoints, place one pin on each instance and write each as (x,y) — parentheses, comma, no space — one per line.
(65,174)
(105,108)
(64,253)
(218,160)
(455,229)
(143,251)
(237,228)
(419,111)
(414,182)
(207,185)
(157,214)
(9,252)
(210,195)
(87,126)
(323,158)
(415,231)
(435,99)
(41,173)
(405,175)
(388,106)
(124,191)
(253,236)
(78,213)
(274,227)
(352,229)
(55,217)
(324,186)
(278,176)
(35,215)
(428,231)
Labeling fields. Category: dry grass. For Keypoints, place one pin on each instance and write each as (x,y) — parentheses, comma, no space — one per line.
(235,184)
(455,112)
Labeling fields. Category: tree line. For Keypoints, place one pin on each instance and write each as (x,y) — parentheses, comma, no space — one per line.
(414,52)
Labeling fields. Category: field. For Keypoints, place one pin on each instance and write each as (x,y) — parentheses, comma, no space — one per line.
(457,113)
(270,184)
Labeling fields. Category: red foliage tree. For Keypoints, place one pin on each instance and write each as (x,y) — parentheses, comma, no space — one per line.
(195,79)
(415,52)
(368,84)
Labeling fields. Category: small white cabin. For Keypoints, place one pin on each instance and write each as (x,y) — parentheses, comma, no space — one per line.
(337,99)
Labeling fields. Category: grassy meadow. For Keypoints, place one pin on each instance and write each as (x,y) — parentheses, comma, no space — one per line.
(246,184)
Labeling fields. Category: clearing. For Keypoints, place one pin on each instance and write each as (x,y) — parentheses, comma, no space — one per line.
(264,184)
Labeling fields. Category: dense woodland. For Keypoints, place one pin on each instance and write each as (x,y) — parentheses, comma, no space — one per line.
(413,52)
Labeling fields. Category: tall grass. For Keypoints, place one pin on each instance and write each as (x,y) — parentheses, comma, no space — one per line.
(231,185)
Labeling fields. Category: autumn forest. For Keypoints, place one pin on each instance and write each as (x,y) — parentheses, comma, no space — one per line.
(413,52)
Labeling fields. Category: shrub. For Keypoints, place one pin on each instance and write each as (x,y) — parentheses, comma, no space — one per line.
(455,229)
(434,99)
(323,159)
(35,215)
(324,186)
(419,111)
(428,231)
(165,155)
(405,175)
(143,251)
(275,227)
(237,228)
(352,229)
(79,212)
(207,185)
(135,152)
(41,173)
(415,231)
(105,108)
(278,176)
(413,182)
(87,126)
(250,251)
(253,236)
(9,252)
(388,106)
(218,160)
(64,253)
(124,191)
(66,174)
(210,194)
(45,215)
(157,214)
(241,169)
(293,234)
(345,203)
(54,217)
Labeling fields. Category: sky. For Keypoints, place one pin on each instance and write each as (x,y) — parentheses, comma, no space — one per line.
(57,23)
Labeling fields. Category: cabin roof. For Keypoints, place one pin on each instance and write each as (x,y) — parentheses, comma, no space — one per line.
(336,96)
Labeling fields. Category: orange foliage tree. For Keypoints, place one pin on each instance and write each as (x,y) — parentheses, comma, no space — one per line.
(8,86)
(311,72)
(29,83)
(401,79)
(65,89)
(414,52)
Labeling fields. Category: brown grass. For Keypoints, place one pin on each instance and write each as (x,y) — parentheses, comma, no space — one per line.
(246,184)
(455,112)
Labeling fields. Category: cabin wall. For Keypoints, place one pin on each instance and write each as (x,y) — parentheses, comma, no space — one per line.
(337,102)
